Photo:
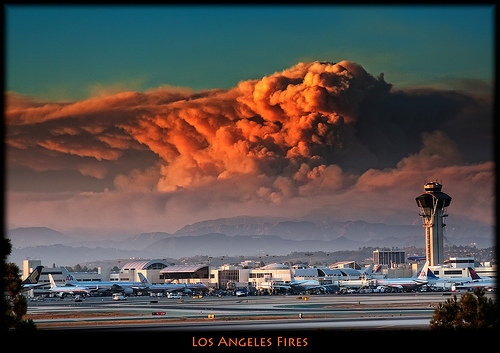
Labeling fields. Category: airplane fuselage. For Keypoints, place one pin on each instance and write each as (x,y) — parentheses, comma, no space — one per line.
(70,290)
(404,283)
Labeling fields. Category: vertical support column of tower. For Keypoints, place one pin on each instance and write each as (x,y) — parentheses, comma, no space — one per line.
(433,205)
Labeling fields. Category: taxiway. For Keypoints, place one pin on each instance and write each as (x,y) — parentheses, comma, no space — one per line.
(384,310)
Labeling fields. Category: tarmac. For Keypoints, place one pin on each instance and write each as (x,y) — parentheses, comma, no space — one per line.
(340,311)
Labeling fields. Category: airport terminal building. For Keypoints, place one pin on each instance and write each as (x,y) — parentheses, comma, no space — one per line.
(149,269)
(263,278)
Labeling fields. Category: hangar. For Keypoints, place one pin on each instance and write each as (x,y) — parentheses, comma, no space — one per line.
(185,274)
(149,268)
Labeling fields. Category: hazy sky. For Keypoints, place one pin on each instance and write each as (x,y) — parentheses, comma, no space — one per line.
(146,118)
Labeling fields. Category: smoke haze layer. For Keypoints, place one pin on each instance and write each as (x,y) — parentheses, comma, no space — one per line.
(317,136)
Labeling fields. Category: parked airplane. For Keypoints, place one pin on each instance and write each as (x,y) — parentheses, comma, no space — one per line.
(475,277)
(477,282)
(365,280)
(377,272)
(298,286)
(100,287)
(171,287)
(305,285)
(433,280)
(61,291)
(196,286)
(358,283)
(32,280)
(368,271)
(162,288)
(406,284)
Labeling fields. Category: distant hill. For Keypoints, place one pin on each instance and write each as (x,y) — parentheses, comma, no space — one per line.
(242,225)
(215,244)
(35,236)
(235,237)
(358,231)
(140,241)
(62,255)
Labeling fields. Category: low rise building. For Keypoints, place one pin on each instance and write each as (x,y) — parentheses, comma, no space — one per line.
(149,269)
(185,274)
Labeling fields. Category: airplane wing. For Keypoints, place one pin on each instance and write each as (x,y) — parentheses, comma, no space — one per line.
(392,286)
(280,286)
(115,286)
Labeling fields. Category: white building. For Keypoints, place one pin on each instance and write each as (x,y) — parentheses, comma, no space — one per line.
(149,269)
(235,276)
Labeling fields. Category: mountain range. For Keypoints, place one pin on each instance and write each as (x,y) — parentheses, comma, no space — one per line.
(233,236)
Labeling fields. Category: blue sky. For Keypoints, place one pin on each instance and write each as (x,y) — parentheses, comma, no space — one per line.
(73,52)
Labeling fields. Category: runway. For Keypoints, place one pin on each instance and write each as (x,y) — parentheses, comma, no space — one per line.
(390,323)
(352,311)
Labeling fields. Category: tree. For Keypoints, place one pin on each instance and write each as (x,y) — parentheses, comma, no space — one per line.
(470,312)
(13,303)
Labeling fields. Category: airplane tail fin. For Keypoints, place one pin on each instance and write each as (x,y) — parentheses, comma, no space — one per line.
(422,274)
(52,282)
(430,274)
(368,270)
(473,274)
(34,276)
(68,277)
(144,280)
(378,269)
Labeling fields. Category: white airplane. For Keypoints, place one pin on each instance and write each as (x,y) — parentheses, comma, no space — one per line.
(298,285)
(171,287)
(477,282)
(433,280)
(161,288)
(365,280)
(368,271)
(358,283)
(32,280)
(95,286)
(377,272)
(475,277)
(61,291)
(407,284)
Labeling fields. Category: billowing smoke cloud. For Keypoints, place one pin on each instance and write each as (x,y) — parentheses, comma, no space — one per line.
(316,133)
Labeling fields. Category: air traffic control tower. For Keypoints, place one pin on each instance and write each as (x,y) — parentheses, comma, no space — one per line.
(433,205)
